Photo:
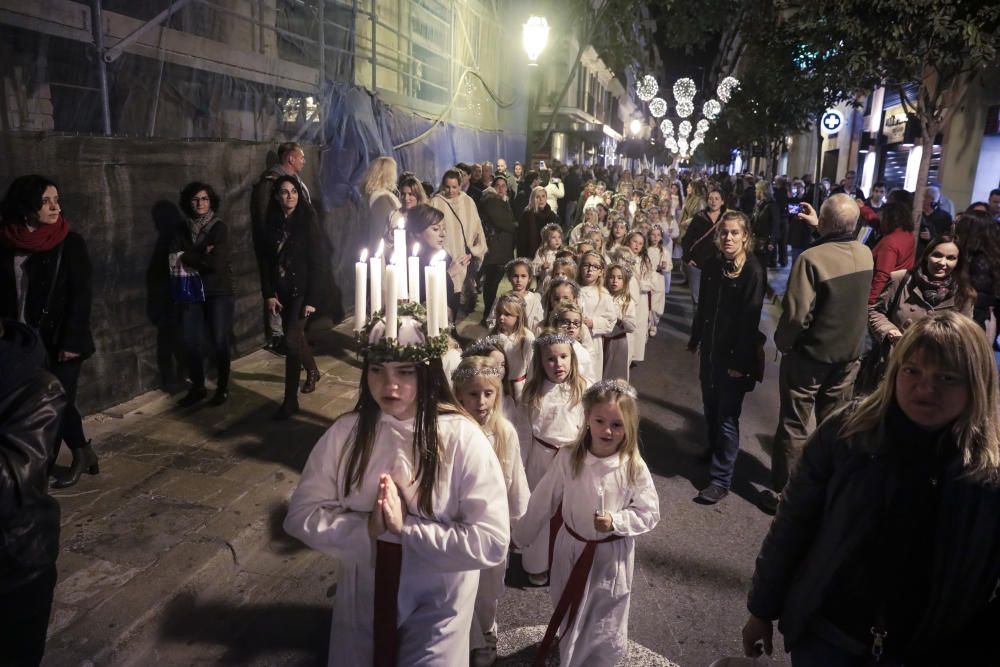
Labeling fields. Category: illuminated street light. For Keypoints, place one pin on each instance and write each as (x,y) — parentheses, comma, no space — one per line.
(684,108)
(684,90)
(635,126)
(667,127)
(702,126)
(726,88)
(684,129)
(711,109)
(658,107)
(646,89)
(535,35)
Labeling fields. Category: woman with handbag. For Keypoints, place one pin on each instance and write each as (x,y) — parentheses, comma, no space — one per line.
(726,331)
(766,226)
(292,282)
(465,240)
(886,545)
(531,222)
(698,242)
(203,246)
(45,282)
(940,281)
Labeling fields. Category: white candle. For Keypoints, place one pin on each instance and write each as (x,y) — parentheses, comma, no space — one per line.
(361,291)
(431,297)
(391,303)
(413,275)
(441,284)
(399,239)
(375,270)
(600,493)
(399,261)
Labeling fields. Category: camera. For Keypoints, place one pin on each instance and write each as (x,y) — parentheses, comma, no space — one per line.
(794,209)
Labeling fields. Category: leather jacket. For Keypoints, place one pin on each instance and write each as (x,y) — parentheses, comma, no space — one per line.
(31,408)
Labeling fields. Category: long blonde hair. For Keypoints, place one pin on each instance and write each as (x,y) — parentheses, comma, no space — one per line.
(625,295)
(952,341)
(512,304)
(741,257)
(621,394)
(486,369)
(380,175)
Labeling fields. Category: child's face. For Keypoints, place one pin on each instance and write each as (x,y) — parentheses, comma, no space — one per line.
(555,240)
(644,228)
(655,236)
(506,322)
(394,387)
(584,247)
(616,281)
(607,429)
(479,397)
(519,278)
(557,361)
(563,293)
(570,324)
(618,230)
(635,244)
(590,270)
(501,361)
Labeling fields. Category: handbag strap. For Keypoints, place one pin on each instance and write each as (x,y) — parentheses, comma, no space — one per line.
(897,297)
(461,225)
(710,231)
(52,286)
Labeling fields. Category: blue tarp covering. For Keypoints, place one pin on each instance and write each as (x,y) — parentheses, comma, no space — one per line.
(360,127)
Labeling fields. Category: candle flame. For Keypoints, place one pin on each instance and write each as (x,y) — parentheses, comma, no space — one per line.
(440,256)
(381,248)
(364,256)
(401,223)
(416,249)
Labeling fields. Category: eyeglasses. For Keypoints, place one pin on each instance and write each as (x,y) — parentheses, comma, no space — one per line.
(569,324)
(591,267)
(198,199)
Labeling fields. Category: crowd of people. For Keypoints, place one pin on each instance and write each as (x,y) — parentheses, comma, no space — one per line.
(887,443)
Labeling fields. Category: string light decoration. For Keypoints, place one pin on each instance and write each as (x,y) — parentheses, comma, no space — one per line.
(726,87)
(684,129)
(699,135)
(647,88)
(682,144)
(711,109)
(658,107)
(685,108)
(667,127)
(671,144)
(702,126)
(684,90)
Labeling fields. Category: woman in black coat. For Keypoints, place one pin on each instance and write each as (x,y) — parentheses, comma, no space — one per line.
(45,282)
(291,282)
(204,247)
(725,329)
(500,227)
(766,225)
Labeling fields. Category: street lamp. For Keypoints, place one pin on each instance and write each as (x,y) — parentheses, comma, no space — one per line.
(534,35)
(635,126)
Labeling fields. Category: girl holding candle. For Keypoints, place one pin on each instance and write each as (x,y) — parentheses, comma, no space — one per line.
(519,341)
(601,496)
(550,417)
(659,259)
(616,345)
(643,271)
(478,387)
(541,264)
(402,491)
(599,311)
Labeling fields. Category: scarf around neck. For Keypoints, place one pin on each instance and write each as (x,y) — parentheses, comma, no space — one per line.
(198,224)
(933,291)
(41,239)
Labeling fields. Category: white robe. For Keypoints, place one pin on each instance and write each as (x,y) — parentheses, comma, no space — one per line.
(585,364)
(557,422)
(599,634)
(541,264)
(645,288)
(598,305)
(484,625)
(442,554)
(520,352)
(533,313)
(658,258)
(617,359)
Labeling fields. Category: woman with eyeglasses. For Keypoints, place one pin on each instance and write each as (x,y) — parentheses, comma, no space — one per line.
(204,246)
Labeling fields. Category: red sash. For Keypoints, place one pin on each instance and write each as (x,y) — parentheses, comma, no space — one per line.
(388,563)
(572,595)
(515,381)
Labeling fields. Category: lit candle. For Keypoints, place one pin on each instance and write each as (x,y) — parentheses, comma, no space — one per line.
(361,291)
(399,238)
(441,285)
(413,275)
(399,261)
(431,301)
(600,494)
(375,269)
(391,303)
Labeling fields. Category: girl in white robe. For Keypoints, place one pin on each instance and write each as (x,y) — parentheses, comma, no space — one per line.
(551,243)
(605,496)
(549,417)
(518,274)
(427,523)
(518,342)
(617,358)
(562,267)
(599,313)
(642,272)
(478,388)
(659,260)
(567,318)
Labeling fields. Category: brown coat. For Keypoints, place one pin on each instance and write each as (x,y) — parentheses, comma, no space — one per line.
(911,308)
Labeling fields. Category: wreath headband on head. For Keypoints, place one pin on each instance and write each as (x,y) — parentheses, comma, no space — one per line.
(613,386)
(514,262)
(470,372)
(483,346)
(411,344)
(553,339)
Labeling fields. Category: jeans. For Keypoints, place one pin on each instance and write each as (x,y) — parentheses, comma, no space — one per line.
(217,312)
(722,401)
(68,374)
(694,282)
(299,354)
(806,386)
(24,620)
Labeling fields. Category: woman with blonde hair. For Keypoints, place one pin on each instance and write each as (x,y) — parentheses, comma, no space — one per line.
(887,537)
(532,220)
(378,186)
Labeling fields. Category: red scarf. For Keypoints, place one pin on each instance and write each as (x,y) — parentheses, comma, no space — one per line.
(41,239)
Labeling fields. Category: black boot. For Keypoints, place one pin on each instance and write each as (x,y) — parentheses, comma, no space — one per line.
(222,387)
(287,409)
(84,460)
(194,396)
(309,386)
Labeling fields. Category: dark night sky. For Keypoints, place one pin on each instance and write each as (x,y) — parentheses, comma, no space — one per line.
(680,62)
